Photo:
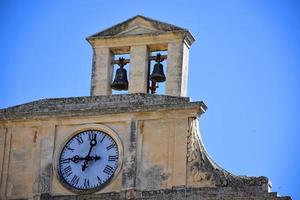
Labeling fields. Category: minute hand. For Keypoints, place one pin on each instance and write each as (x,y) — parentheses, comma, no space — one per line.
(92,144)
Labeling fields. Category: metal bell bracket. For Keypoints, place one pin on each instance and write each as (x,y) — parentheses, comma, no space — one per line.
(125,61)
(121,62)
(159,58)
(162,57)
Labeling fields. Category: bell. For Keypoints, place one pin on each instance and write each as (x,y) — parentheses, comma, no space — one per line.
(158,74)
(120,82)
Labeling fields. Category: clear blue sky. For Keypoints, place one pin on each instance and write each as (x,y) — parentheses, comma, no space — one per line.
(245,65)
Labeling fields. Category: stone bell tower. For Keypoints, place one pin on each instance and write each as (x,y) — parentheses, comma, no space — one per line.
(138,145)
(139,36)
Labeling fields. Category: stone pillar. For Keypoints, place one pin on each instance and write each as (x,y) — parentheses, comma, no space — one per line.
(7,135)
(180,151)
(46,157)
(138,69)
(130,162)
(177,72)
(102,72)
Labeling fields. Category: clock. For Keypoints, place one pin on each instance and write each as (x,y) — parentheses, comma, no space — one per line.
(89,160)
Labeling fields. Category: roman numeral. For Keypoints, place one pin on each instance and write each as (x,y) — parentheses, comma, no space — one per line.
(108,170)
(79,139)
(86,183)
(111,146)
(65,161)
(113,158)
(102,139)
(99,180)
(68,171)
(69,148)
(75,180)
(92,136)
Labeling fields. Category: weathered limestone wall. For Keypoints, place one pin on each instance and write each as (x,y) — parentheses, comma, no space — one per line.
(164,157)
(161,153)
(29,169)
(154,152)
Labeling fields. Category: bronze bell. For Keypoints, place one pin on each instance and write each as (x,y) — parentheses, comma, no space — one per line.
(158,74)
(120,82)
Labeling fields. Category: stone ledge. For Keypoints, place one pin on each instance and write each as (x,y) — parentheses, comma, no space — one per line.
(224,193)
(98,105)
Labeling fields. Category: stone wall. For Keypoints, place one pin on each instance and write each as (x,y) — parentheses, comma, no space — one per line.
(153,131)
(164,157)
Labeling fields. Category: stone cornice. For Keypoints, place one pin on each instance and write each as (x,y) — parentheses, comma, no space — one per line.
(99,105)
(146,38)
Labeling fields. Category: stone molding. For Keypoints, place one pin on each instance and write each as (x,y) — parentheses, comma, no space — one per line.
(187,193)
(99,105)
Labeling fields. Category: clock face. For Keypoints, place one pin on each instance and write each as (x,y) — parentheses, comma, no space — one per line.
(88,161)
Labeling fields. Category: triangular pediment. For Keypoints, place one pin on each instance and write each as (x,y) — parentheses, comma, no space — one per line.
(136,26)
(138,29)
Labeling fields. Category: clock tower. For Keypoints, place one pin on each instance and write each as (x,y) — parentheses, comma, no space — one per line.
(135,137)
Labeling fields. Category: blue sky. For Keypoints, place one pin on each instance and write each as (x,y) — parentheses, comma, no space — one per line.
(244,64)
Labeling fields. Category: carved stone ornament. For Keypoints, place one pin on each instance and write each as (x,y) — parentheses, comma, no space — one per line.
(200,165)
(203,168)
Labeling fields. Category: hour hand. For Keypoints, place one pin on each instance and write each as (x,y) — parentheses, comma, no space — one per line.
(74,159)
(93,143)
(87,159)
(95,157)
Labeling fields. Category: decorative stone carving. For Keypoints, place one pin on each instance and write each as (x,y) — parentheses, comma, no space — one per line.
(196,156)
(203,168)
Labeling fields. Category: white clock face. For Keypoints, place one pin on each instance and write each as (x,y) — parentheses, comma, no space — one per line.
(88,161)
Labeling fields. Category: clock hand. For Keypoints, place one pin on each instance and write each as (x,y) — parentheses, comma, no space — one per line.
(87,158)
(95,157)
(91,158)
(75,159)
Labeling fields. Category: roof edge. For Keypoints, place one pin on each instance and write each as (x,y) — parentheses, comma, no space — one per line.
(99,105)
(105,32)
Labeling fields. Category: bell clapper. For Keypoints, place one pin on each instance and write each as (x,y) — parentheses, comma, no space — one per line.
(153,87)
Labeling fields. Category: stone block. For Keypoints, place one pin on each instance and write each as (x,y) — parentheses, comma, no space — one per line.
(138,69)
(177,72)
(102,72)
